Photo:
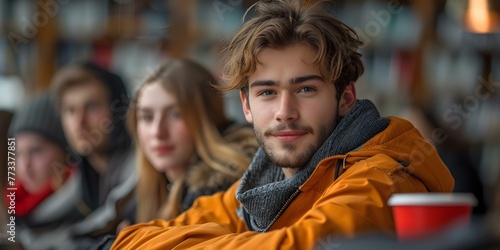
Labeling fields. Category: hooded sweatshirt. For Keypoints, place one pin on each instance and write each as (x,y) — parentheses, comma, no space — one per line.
(346,194)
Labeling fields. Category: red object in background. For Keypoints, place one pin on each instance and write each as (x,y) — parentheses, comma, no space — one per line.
(420,215)
(405,63)
(22,203)
(103,52)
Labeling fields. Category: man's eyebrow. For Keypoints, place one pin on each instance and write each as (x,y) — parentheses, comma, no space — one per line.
(296,80)
(302,79)
(262,83)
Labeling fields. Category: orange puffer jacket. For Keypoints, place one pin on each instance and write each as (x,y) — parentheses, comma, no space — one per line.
(394,161)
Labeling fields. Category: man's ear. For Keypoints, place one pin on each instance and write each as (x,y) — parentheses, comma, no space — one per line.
(347,99)
(246,107)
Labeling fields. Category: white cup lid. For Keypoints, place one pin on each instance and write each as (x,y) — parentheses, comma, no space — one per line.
(427,199)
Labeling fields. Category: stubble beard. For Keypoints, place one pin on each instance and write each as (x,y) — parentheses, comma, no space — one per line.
(291,158)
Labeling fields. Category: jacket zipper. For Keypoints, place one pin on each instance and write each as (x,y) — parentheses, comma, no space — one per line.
(282,210)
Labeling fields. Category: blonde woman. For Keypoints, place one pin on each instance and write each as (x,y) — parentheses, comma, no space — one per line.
(187,146)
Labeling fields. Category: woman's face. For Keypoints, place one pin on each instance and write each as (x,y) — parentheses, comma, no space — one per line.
(39,161)
(163,135)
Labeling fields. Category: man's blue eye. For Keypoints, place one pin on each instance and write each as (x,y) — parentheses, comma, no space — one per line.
(307,89)
(266,93)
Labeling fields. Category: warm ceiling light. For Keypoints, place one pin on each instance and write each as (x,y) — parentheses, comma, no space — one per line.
(478,17)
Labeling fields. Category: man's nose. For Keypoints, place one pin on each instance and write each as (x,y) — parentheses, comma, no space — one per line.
(287,109)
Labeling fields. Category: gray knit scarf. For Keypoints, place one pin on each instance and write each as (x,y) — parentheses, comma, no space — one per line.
(265,193)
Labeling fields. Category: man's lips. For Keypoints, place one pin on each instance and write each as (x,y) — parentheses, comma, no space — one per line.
(289,135)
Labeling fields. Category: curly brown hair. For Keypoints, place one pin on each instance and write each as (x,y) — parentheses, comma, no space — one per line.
(276,24)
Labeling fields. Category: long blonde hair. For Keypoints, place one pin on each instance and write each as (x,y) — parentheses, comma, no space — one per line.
(202,110)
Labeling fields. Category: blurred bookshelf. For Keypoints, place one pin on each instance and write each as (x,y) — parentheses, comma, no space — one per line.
(129,37)
(417,53)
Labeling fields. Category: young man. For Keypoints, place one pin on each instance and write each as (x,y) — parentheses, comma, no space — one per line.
(93,104)
(328,162)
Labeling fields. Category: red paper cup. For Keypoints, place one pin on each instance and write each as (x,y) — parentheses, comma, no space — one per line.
(419,215)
